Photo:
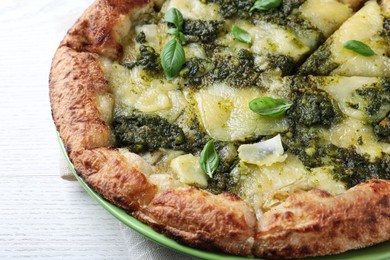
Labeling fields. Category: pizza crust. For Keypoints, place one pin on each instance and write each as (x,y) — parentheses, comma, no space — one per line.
(204,220)
(102,27)
(110,174)
(76,79)
(316,223)
(308,223)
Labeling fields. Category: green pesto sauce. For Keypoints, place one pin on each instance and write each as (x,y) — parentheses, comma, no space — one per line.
(241,9)
(233,8)
(349,166)
(312,109)
(142,132)
(377,97)
(238,71)
(386,29)
(320,63)
(202,31)
(223,180)
(282,15)
(148,58)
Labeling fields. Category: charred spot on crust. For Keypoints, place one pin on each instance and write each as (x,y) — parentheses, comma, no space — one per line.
(384,201)
(288,216)
(305,250)
(288,250)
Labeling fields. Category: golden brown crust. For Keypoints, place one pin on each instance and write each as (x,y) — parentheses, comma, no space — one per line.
(308,223)
(101,27)
(75,81)
(110,174)
(204,220)
(315,223)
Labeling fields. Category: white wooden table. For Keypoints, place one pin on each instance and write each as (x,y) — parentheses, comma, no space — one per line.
(41,215)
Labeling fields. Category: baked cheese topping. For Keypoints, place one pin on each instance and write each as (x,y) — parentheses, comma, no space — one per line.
(368,25)
(333,135)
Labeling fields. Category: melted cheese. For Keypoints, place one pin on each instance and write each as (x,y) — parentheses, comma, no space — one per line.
(225,114)
(105,103)
(365,26)
(268,39)
(165,181)
(350,131)
(195,9)
(188,171)
(267,186)
(265,152)
(342,89)
(354,129)
(155,35)
(136,89)
(326,15)
(137,162)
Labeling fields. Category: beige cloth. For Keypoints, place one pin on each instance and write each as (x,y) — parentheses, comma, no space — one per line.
(138,246)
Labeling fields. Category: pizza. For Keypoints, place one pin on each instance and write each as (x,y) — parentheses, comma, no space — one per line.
(252,127)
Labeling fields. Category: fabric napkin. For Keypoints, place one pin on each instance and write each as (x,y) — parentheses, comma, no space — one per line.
(138,246)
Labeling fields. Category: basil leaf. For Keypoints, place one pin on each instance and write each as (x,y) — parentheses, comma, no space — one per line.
(181,37)
(177,34)
(270,107)
(359,47)
(174,16)
(172,58)
(173,31)
(241,35)
(265,4)
(209,159)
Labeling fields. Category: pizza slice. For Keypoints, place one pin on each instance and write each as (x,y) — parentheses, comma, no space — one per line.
(278,38)
(360,47)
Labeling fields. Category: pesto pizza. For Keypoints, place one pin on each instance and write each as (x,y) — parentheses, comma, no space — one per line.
(252,127)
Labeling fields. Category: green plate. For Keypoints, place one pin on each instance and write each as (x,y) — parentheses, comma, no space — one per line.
(378,252)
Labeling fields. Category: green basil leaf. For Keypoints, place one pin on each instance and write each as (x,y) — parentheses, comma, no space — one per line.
(178,35)
(241,35)
(270,107)
(209,159)
(265,4)
(174,16)
(359,47)
(172,58)
(181,37)
(173,31)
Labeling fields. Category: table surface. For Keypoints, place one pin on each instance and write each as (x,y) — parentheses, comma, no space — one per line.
(41,215)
